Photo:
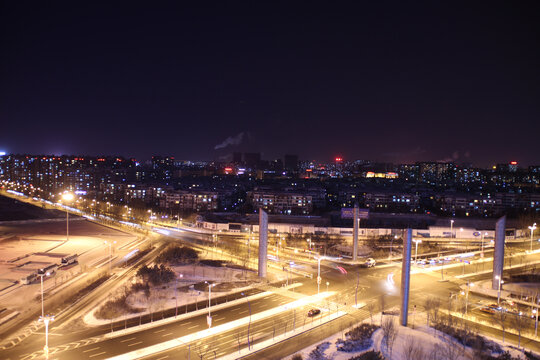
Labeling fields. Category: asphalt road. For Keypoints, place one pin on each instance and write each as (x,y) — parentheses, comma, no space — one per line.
(72,345)
(357,285)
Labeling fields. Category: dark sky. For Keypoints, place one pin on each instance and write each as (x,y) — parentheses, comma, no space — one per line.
(393,81)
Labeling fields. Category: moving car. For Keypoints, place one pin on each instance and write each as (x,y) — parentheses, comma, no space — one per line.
(370,262)
(313,312)
(490,309)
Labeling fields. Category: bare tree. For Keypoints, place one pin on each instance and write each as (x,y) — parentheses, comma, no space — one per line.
(371,310)
(382,305)
(433,353)
(499,318)
(428,304)
(518,322)
(390,332)
(451,350)
(412,349)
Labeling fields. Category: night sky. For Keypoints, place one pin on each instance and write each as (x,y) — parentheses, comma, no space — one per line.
(393,81)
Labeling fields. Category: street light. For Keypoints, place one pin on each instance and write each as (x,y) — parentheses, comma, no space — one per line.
(391,246)
(46,320)
(327,283)
(249,324)
(532,228)
(209,317)
(318,274)
(106,242)
(416,251)
(42,306)
(176,294)
(535,312)
(469,285)
(67,197)
(451,228)
(309,251)
(483,234)
(501,281)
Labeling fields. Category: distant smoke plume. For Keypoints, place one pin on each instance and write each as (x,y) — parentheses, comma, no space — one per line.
(231,140)
(454,157)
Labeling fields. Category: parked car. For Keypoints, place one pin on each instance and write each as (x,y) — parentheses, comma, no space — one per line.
(313,312)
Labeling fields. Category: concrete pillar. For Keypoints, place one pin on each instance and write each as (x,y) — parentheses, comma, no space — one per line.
(355,233)
(498,254)
(405,277)
(263,243)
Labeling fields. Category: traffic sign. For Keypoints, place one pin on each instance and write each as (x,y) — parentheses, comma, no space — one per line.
(476,233)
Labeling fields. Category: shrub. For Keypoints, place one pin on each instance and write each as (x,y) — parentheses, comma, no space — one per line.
(357,339)
(469,338)
(156,275)
(178,255)
(297,357)
(213,263)
(115,308)
(318,352)
(369,355)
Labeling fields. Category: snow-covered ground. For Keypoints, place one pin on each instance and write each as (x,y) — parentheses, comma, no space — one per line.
(164,297)
(425,338)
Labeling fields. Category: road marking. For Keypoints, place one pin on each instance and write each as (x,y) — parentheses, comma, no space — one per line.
(243,312)
(135,343)
(125,340)
(186,323)
(91,349)
(158,331)
(166,334)
(97,354)
(192,327)
(163,357)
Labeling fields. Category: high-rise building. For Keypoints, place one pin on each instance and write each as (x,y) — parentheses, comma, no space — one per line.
(252,160)
(291,162)
(237,158)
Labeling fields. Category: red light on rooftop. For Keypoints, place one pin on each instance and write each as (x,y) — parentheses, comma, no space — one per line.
(513,162)
(338,159)
(228,169)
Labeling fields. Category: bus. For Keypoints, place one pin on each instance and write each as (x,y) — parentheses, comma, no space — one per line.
(72,259)
(50,269)
(26,280)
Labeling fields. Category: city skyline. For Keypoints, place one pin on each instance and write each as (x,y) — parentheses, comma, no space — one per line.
(399,83)
(230,159)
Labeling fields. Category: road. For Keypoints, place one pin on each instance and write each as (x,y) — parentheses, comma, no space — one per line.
(358,285)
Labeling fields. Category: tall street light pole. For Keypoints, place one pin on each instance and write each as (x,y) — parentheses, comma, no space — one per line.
(46,320)
(110,251)
(209,318)
(318,275)
(499,291)
(176,294)
(451,228)
(532,228)
(483,234)
(416,251)
(535,312)
(67,197)
(42,306)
